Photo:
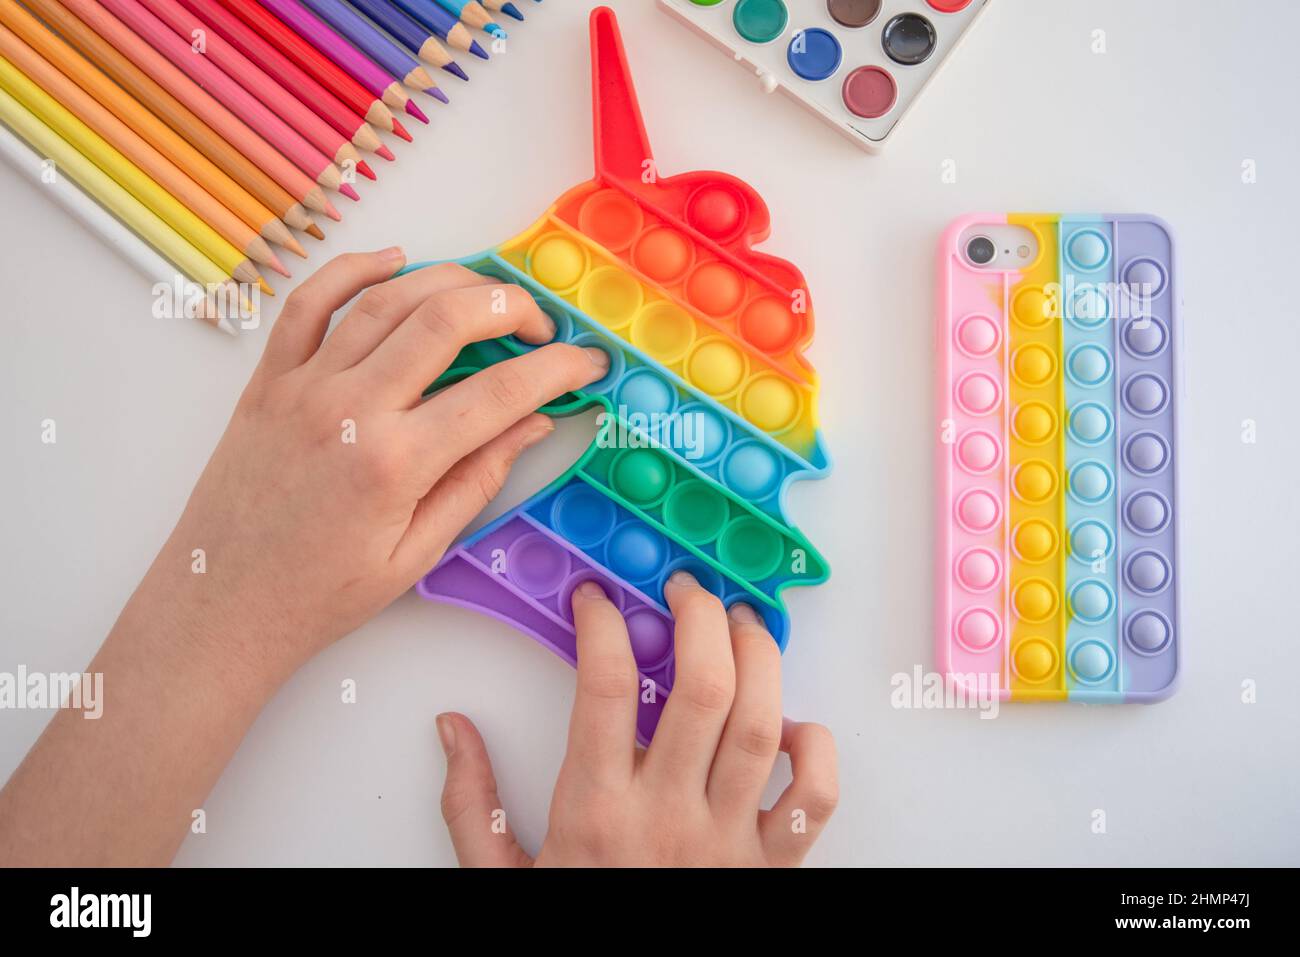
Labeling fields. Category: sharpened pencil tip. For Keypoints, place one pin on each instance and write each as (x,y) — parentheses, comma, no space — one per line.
(437,94)
(455,70)
(347,190)
(415,111)
(477,50)
(314,231)
(366,171)
(278,266)
(496,31)
(386,153)
(511,10)
(261,284)
(400,130)
(333,212)
(295,247)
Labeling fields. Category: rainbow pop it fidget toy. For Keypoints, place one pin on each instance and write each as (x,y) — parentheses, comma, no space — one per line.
(710,408)
(1058,505)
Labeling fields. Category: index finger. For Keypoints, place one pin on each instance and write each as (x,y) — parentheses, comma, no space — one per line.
(602,731)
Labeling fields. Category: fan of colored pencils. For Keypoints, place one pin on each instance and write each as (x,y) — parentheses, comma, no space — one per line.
(199,133)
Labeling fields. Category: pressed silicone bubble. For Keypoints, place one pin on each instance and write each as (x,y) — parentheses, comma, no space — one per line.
(663,331)
(642,476)
(611,219)
(558,262)
(583,515)
(611,588)
(706,575)
(695,511)
(537,564)
(751,548)
(651,636)
(617,362)
(770,325)
(610,296)
(716,367)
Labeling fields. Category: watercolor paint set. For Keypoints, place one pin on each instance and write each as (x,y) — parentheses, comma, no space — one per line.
(1059,377)
(708,410)
(860,65)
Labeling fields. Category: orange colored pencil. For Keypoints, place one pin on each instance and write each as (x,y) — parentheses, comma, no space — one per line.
(174,113)
(118,135)
(47,45)
(221,120)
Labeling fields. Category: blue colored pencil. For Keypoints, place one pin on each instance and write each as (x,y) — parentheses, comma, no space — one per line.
(444,25)
(357,30)
(412,35)
(505,6)
(472,12)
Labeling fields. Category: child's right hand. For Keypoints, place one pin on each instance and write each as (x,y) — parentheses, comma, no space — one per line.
(692,798)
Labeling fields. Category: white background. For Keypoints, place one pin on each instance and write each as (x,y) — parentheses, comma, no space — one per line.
(1034,120)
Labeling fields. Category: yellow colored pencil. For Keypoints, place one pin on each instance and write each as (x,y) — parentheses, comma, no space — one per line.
(87,142)
(113,197)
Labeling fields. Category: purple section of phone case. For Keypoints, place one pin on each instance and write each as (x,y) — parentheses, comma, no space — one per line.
(1149,672)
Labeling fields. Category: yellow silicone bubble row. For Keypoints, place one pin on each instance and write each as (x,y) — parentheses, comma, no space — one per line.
(735,377)
(1035,508)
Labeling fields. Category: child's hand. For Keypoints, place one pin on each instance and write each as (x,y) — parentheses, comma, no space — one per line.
(335,487)
(692,799)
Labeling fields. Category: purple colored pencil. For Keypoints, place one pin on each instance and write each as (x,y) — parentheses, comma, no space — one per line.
(414,36)
(352,26)
(351,60)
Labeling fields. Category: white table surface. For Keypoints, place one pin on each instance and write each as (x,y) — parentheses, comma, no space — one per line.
(1033,119)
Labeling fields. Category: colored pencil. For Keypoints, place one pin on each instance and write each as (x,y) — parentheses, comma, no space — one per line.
(151,162)
(315,63)
(228,126)
(175,114)
(276,98)
(364,70)
(118,102)
(503,6)
(116,235)
(387,55)
(412,35)
(471,12)
(129,210)
(444,25)
(292,77)
(136,182)
(239,102)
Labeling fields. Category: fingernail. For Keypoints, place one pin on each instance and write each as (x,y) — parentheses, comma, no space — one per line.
(742,614)
(550,326)
(590,589)
(392,254)
(599,357)
(682,577)
(446,734)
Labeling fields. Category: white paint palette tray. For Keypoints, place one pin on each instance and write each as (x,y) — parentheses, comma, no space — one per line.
(860,65)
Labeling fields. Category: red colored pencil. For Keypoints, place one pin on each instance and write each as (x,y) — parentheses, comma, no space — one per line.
(313,62)
(324,103)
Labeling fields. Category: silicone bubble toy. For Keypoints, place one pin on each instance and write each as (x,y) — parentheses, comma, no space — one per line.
(1058,497)
(709,406)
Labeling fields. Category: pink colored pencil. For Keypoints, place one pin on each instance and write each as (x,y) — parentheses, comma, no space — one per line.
(240,69)
(223,122)
(230,94)
(366,72)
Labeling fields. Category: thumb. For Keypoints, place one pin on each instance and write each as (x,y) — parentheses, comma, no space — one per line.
(470,806)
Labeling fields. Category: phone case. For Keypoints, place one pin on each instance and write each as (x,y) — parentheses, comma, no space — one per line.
(1057,480)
